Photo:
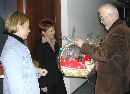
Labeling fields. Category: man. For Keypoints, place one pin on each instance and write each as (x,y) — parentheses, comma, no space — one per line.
(113,54)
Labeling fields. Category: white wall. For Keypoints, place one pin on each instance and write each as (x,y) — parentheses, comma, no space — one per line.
(81,14)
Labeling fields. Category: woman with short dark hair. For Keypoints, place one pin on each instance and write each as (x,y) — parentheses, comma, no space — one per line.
(45,52)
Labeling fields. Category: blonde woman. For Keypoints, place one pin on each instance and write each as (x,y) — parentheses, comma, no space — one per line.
(20,75)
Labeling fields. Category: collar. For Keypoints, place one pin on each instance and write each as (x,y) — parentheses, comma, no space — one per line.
(118,21)
(16,37)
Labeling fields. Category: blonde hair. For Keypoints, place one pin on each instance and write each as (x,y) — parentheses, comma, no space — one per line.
(13,19)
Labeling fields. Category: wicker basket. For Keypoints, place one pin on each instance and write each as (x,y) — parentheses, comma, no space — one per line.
(72,72)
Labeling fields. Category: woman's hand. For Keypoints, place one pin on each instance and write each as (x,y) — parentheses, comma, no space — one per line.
(43,72)
(44,89)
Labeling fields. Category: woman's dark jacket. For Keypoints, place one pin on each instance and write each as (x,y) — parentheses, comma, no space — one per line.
(44,54)
(113,60)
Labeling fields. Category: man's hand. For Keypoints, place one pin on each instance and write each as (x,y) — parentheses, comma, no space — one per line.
(43,72)
(44,89)
(79,42)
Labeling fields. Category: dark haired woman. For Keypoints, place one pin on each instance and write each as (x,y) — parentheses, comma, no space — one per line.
(45,52)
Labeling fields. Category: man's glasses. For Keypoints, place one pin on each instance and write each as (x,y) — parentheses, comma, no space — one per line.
(102,18)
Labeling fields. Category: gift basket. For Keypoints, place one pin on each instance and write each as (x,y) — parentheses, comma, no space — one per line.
(72,63)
